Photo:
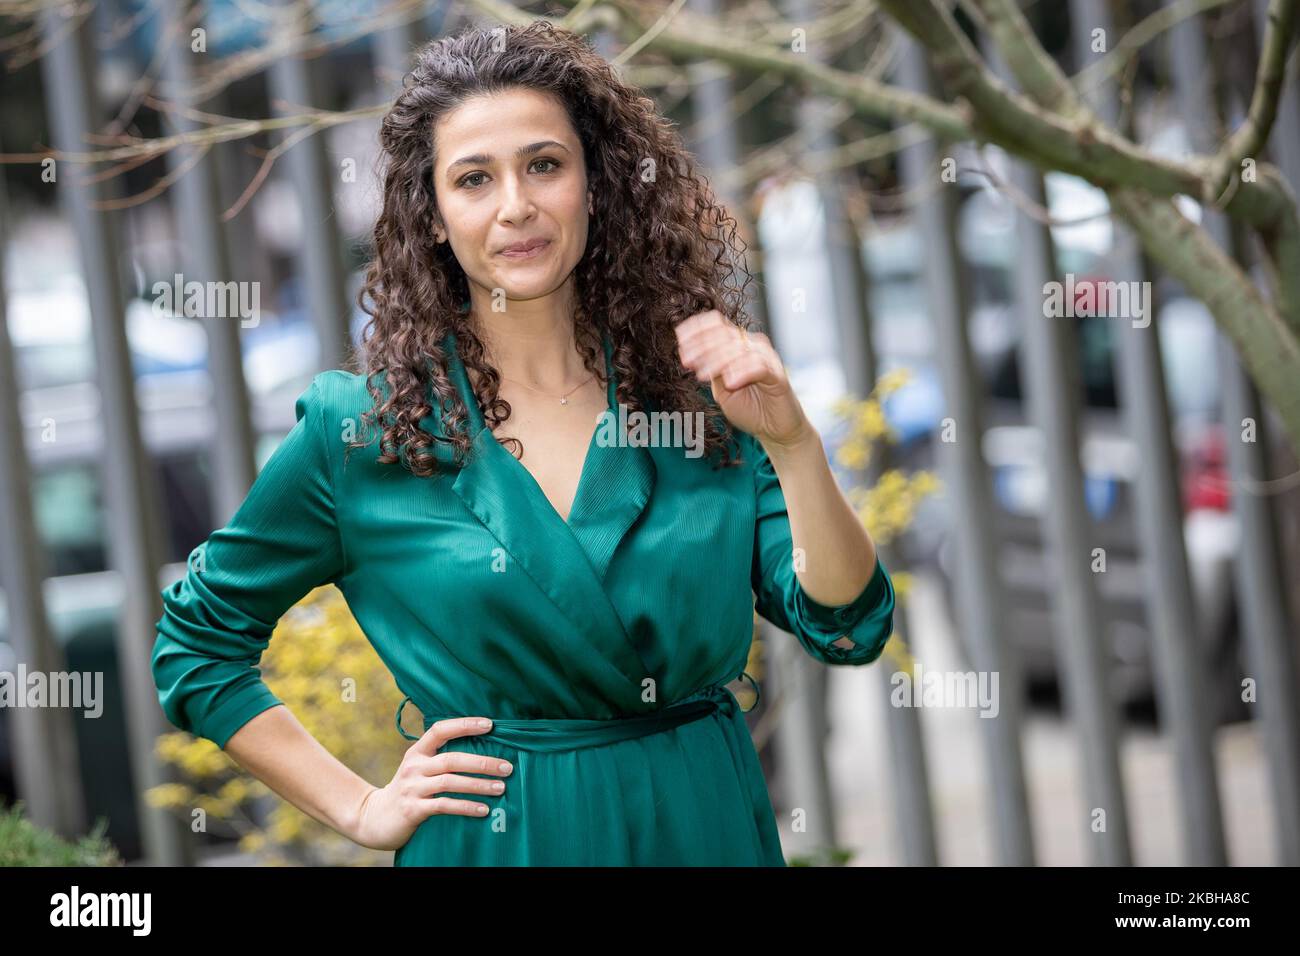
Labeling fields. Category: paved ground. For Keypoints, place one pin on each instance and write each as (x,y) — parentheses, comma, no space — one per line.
(858,755)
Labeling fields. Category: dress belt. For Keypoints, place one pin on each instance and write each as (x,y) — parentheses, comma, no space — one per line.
(549,735)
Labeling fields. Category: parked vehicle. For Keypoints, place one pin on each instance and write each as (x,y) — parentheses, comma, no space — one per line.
(83,595)
(49,324)
(1110,458)
(903,336)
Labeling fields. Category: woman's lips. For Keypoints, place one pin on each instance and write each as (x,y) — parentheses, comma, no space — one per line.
(529,254)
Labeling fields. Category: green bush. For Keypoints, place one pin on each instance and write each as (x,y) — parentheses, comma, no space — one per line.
(23,843)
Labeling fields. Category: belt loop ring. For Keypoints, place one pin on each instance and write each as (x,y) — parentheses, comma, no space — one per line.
(400,707)
(758,693)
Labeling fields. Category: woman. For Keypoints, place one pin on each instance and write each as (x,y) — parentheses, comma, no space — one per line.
(564,614)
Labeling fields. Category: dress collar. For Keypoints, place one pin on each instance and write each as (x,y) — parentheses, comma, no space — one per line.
(568,559)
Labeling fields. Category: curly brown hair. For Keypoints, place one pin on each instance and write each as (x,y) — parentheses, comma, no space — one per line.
(659,249)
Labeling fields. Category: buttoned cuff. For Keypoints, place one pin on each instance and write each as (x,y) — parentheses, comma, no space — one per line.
(843,617)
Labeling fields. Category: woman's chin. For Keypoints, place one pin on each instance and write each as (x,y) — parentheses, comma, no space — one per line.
(521,288)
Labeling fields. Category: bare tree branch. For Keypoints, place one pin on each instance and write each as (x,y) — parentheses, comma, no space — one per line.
(1250,137)
(1143,32)
(1268,347)
(870,97)
(1045,122)
(1278,222)
(1265,337)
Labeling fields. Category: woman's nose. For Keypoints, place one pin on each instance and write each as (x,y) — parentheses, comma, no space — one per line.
(516,204)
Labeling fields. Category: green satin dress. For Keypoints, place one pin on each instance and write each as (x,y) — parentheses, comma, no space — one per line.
(601,646)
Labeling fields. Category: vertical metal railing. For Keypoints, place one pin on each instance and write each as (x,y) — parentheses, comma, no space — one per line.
(393,48)
(718,147)
(850,295)
(1051,392)
(1048,357)
(47,773)
(206,259)
(294,82)
(67,69)
(981,601)
(798,680)
(1179,657)
(1264,628)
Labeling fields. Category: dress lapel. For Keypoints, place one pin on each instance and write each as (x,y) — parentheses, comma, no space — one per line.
(567,560)
(615,488)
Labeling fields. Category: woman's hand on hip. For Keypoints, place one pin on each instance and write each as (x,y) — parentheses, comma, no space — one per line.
(389,815)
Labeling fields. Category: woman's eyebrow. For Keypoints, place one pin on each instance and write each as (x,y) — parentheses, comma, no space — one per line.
(483,159)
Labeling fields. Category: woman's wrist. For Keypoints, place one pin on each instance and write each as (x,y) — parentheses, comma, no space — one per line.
(351,826)
(802,449)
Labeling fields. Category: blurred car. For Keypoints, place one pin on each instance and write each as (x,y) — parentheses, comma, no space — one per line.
(83,595)
(50,327)
(903,336)
(1110,459)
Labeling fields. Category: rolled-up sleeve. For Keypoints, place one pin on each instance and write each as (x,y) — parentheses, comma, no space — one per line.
(282,542)
(867,620)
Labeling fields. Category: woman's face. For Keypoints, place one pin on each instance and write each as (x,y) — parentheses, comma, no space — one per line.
(509,169)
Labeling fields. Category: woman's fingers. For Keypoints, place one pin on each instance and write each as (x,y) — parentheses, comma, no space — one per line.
(454,761)
(747,368)
(431,770)
(459,783)
(699,322)
(421,779)
(450,805)
(442,731)
(711,347)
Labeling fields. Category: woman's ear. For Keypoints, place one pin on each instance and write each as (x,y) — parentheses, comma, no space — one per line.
(591,206)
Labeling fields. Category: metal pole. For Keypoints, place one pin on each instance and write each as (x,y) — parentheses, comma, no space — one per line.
(1049,359)
(207,260)
(793,676)
(67,70)
(980,597)
(47,773)
(719,151)
(293,82)
(1259,578)
(1178,648)
(909,779)
(393,49)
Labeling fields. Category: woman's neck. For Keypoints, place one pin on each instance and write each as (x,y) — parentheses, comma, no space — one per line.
(532,342)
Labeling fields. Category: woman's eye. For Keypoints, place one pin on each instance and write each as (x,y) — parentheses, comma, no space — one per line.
(465,181)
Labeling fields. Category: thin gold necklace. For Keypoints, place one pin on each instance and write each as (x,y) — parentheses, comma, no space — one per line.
(564,399)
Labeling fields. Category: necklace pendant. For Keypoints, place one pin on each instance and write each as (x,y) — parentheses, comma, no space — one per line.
(564,401)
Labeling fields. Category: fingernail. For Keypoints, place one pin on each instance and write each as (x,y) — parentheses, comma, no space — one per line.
(485,724)
(504,767)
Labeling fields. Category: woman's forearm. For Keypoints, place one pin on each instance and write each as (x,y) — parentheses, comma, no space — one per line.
(279,751)
(839,555)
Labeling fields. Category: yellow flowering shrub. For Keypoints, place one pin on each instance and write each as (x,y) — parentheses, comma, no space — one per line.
(321,666)
(888,506)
